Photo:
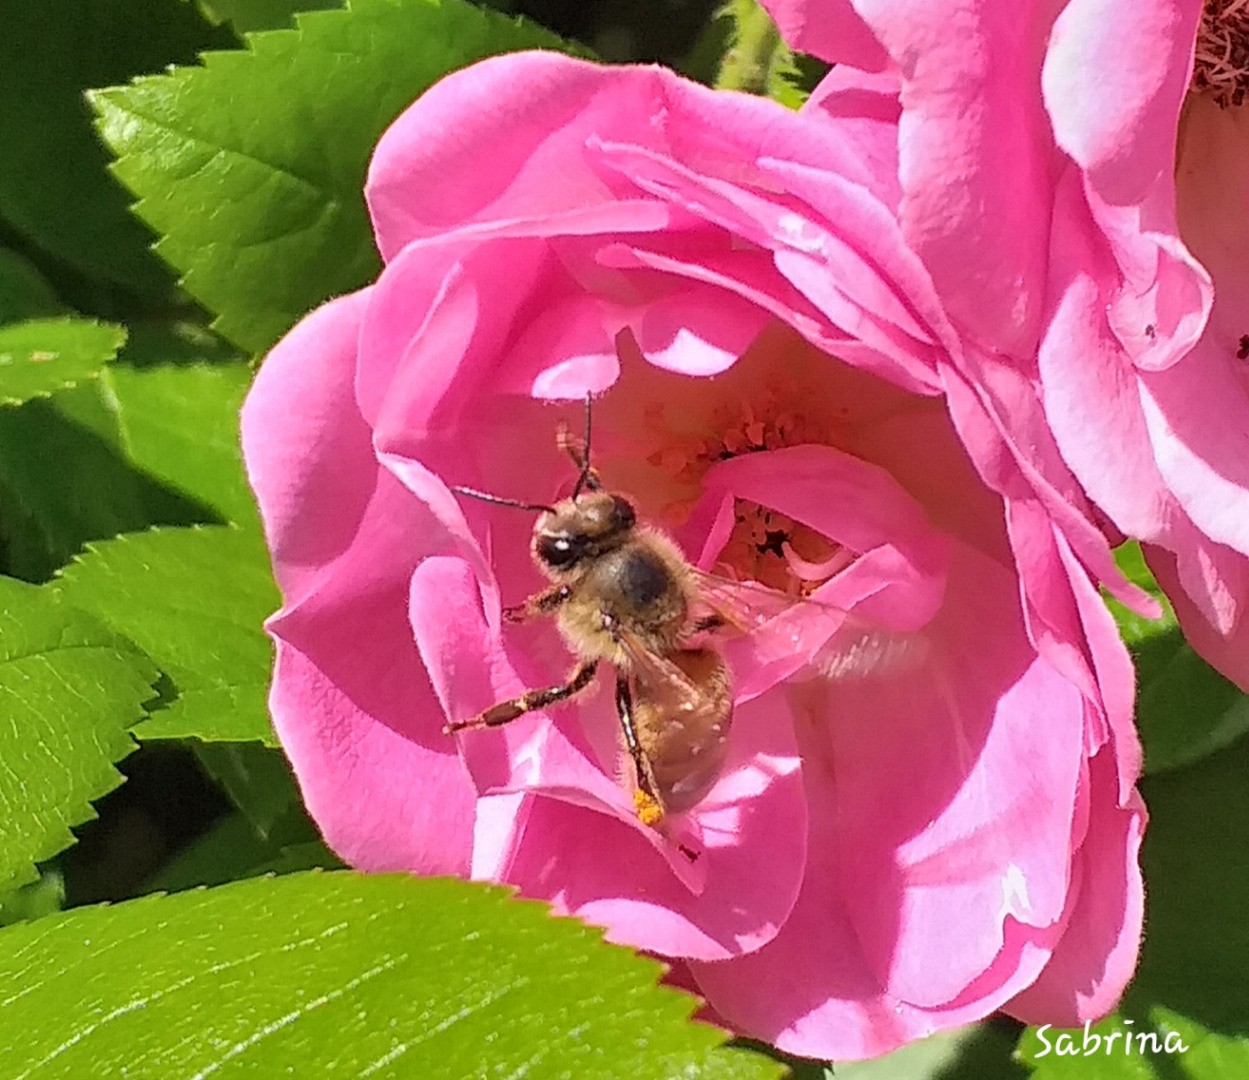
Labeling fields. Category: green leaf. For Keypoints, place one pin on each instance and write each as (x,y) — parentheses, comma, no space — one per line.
(231,851)
(253,165)
(194,600)
(35,900)
(1191,979)
(180,423)
(24,294)
(262,14)
(967,1053)
(65,479)
(260,783)
(41,356)
(339,975)
(69,690)
(1185,709)
(153,343)
(54,182)
(227,852)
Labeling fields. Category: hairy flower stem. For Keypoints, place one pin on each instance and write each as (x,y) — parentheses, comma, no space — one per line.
(754,52)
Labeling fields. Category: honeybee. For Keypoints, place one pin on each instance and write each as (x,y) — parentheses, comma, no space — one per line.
(622,593)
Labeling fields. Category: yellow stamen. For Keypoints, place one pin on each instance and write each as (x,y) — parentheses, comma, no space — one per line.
(776,416)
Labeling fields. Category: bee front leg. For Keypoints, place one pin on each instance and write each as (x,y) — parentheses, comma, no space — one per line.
(574,447)
(542,603)
(507,711)
(646,801)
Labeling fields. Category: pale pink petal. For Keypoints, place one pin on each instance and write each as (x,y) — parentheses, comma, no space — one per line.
(864,109)
(348,696)
(1212,176)
(860,507)
(1204,400)
(471,669)
(538,113)
(383,799)
(812,991)
(1198,422)
(354,709)
(1111,720)
(1098,951)
(862,224)
(743,272)
(1227,651)
(831,30)
(758,805)
(1117,119)
(306,445)
(984,748)
(1000,420)
(975,156)
(1118,122)
(698,330)
(1090,392)
(429,299)
(897,579)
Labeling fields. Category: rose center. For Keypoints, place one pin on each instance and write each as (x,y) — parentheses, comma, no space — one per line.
(765,545)
(1221,61)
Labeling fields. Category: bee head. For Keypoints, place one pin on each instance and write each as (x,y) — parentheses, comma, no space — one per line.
(580,529)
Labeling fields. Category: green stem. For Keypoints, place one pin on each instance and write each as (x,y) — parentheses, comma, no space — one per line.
(748,63)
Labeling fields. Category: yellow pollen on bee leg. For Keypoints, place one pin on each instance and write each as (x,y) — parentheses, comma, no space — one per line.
(647,807)
(1221,58)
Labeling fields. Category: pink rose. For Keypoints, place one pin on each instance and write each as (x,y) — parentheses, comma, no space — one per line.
(1037,177)
(927,811)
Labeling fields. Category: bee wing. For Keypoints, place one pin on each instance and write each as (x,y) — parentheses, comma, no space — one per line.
(785,633)
(682,711)
(747,605)
(662,680)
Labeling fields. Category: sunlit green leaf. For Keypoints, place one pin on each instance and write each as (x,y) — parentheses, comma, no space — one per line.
(333,975)
(194,600)
(180,423)
(40,356)
(66,478)
(69,690)
(262,14)
(252,166)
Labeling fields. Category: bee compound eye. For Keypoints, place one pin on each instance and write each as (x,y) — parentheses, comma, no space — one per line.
(623,514)
(560,552)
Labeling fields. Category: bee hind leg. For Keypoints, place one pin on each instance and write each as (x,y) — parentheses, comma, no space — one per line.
(646,800)
(507,711)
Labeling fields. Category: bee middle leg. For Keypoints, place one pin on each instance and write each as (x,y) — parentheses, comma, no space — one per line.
(507,711)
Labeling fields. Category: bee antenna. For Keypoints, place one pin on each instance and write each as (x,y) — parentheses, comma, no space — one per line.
(498,500)
(587,479)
